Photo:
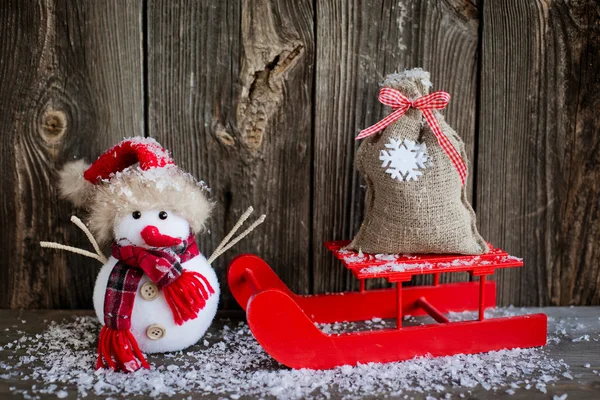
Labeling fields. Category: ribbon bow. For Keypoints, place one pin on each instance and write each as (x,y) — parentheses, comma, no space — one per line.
(400,104)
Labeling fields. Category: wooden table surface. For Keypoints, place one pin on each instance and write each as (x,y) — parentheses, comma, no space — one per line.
(585,385)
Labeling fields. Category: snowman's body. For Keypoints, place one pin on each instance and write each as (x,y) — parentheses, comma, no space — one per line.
(147,313)
(155,312)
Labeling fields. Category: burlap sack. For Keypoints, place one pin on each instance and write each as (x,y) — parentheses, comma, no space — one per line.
(427,215)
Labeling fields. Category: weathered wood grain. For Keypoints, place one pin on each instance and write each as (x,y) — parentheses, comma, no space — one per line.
(538,190)
(230,94)
(358,43)
(70,75)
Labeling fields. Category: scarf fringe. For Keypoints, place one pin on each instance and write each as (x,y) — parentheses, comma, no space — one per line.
(119,351)
(187,295)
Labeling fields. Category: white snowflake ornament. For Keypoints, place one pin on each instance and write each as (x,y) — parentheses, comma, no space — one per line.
(405,159)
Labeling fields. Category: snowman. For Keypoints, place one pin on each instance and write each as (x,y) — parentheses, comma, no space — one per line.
(156,292)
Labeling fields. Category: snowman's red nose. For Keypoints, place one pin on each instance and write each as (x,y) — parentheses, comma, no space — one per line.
(154,238)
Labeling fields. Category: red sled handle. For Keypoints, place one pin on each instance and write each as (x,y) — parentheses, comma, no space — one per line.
(249,274)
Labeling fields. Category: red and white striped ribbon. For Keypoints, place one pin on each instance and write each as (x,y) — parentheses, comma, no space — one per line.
(400,104)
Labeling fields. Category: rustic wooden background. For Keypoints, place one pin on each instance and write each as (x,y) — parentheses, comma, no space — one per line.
(262,99)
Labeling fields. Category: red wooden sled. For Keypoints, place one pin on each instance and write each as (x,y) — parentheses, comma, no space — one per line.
(284,322)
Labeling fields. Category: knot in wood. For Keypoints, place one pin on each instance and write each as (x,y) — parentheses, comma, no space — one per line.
(54,123)
(224,137)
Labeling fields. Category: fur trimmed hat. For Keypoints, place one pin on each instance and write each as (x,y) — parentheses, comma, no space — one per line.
(136,174)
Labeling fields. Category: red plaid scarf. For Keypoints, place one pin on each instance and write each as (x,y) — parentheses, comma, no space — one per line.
(163,266)
(186,293)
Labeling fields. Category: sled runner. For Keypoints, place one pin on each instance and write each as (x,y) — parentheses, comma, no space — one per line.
(284,322)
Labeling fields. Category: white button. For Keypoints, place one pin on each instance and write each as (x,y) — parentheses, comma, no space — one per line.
(155,332)
(149,291)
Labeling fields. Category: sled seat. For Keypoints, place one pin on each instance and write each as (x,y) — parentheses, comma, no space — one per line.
(400,268)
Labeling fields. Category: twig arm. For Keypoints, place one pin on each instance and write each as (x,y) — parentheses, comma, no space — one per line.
(89,235)
(76,250)
(58,246)
(242,235)
(235,228)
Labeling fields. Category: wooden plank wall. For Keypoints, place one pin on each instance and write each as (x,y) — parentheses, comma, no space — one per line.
(71,85)
(262,99)
(538,176)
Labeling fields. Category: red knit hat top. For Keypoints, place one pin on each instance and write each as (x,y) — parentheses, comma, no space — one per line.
(145,151)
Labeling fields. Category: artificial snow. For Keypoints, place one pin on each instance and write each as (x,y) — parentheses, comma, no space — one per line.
(415,73)
(150,144)
(398,266)
(159,178)
(386,263)
(582,338)
(232,364)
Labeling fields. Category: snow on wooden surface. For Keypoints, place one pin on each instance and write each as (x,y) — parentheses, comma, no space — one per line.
(51,354)
(395,266)
(365,265)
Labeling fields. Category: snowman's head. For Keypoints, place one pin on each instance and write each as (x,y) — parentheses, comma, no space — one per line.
(152,228)
(148,207)
(134,191)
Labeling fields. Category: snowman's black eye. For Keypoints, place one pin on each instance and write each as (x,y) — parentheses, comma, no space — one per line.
(163,215)
(136,215)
